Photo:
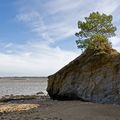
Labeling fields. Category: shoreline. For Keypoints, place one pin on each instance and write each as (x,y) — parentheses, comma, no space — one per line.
(39,107)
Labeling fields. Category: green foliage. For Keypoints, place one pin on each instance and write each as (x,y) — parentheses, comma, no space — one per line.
(95,29)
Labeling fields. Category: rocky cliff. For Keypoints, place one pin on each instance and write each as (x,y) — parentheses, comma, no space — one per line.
(93,76)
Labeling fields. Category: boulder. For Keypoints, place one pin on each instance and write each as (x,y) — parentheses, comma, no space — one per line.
(93,76)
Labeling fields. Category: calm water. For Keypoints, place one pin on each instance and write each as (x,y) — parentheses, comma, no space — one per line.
(22,86)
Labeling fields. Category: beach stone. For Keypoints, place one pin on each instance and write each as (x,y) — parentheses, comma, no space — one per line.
(40,93)
(93,76)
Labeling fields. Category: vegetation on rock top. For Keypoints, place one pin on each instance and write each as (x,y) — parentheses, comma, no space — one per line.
(95,32)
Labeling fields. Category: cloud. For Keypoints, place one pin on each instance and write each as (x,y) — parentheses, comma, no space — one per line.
(38,61)
(107,6)
(62,5)
(48,32)
(57,20)
(116,42)
(27,17)
(34,20)
(8,45)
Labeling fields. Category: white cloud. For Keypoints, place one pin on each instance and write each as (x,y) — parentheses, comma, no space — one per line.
(8,45)
(59,19)
(28,17)
(107,6)
(35,21)
(62,5)
(41,61)
(116,42)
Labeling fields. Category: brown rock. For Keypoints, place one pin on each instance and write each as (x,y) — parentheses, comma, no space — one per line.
(93,76)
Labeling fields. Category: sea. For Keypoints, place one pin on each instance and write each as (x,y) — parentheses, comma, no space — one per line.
(22,85)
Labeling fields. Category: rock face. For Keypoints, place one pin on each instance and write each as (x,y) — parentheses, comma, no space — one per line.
(93,76)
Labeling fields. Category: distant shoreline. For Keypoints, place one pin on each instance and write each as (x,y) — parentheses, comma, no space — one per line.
(23,77)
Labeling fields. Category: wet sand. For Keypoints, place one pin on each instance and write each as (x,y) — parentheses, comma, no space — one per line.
(60,110)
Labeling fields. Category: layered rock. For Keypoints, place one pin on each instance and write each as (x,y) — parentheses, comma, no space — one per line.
(93,76)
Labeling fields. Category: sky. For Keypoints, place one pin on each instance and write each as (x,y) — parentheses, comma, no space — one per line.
(37,36)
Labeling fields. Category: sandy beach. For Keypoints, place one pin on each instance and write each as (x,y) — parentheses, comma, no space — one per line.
(46,109)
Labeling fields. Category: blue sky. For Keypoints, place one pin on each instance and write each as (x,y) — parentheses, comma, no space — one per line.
(37,36)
